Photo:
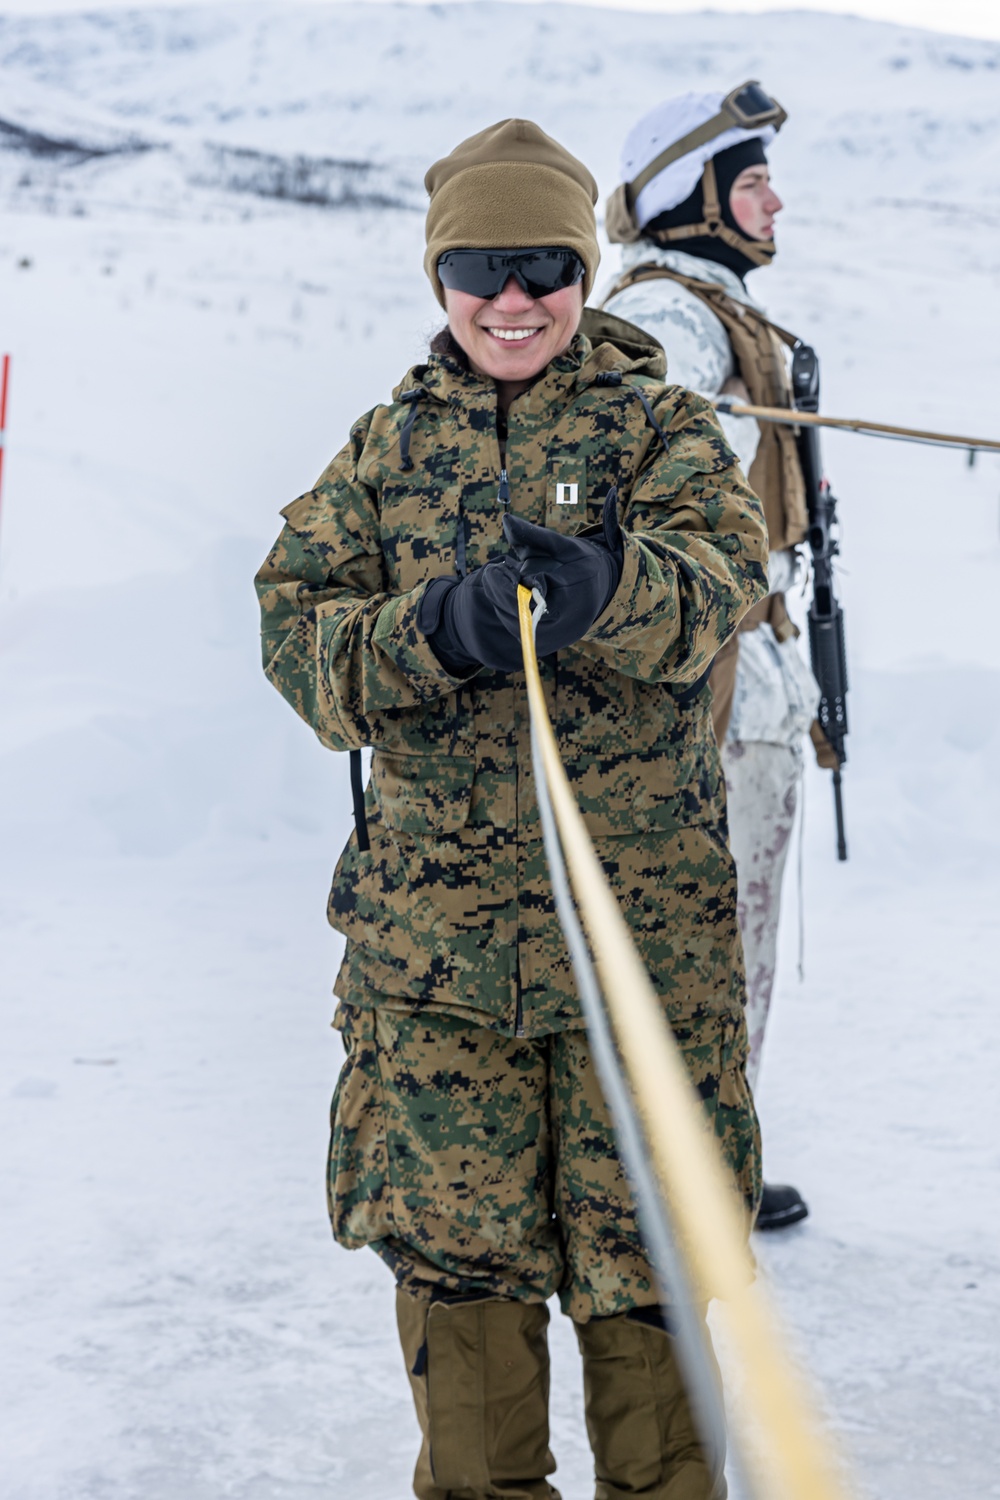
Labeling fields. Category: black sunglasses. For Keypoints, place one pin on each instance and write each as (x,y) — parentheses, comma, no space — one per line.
(485,273)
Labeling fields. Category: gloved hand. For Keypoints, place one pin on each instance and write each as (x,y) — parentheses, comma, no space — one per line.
(467,620)
(577,575)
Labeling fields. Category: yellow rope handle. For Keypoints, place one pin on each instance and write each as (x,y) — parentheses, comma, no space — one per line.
(688,1166)
(788,417)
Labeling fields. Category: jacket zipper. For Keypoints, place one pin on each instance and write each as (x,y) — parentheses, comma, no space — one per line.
(503,498)
(503,492)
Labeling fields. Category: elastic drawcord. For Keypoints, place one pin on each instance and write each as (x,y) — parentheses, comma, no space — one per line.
(652,420)
(410,399)
(683,696)
(358,797)
(614,378)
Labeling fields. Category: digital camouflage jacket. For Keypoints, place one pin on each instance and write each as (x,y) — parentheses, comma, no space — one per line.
(451,906)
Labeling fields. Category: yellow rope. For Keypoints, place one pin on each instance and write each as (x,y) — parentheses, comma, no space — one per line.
(688,1167)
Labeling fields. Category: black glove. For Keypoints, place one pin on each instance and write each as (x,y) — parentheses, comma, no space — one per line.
(466,621)
(577,575)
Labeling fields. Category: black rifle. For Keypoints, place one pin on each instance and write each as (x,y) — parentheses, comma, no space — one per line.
(826,618)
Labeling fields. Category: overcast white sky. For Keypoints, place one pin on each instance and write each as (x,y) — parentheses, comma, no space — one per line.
(959,17)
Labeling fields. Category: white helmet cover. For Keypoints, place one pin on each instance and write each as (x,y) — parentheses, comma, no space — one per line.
(667,123)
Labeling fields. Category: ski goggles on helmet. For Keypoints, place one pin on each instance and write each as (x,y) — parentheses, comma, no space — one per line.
(746,107)
(750,106)
(485,273)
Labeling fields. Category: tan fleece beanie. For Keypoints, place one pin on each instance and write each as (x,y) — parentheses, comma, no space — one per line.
(511,187)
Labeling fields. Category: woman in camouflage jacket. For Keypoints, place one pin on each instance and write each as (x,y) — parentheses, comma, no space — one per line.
(471,1146)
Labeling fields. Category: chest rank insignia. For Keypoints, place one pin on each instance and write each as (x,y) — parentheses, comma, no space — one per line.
(567,494)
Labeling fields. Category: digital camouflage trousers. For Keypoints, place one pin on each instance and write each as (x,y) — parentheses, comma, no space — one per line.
(475,1163)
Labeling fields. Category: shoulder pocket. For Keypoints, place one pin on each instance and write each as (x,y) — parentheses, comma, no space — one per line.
(423,793)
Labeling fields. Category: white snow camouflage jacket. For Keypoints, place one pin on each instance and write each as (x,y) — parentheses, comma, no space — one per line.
(776,694)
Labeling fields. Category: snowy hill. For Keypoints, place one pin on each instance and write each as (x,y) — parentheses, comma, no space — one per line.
(209,265)
(902,115)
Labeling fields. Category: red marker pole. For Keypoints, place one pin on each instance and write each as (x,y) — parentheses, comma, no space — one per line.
(4,378)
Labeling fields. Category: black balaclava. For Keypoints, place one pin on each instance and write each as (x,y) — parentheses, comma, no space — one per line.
(728,166)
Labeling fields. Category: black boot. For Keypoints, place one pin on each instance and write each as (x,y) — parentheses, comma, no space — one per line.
(779,1207)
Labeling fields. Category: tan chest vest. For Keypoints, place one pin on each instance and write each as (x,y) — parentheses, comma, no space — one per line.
(775,474)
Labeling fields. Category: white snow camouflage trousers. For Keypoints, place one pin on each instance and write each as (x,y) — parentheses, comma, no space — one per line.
(762,785)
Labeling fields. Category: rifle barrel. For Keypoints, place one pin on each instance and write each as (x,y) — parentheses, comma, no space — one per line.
(787,417)
(838,806)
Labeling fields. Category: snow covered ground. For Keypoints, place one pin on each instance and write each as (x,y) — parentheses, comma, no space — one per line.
(209,264)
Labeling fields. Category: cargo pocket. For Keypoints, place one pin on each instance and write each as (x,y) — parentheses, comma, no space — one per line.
(656,791)
(423,794)
(357,1181)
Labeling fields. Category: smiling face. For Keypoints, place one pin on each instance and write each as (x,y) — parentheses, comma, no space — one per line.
(511,337)
(754,203)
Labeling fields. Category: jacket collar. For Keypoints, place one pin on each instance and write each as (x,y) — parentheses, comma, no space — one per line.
(442,379)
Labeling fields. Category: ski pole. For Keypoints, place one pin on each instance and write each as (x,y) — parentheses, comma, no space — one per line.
(793,417)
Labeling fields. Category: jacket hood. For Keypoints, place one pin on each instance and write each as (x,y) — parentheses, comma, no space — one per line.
(617,344)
